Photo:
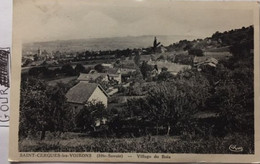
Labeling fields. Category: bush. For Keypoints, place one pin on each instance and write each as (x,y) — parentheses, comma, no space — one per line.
(196,52)
(88,117)
(68,70)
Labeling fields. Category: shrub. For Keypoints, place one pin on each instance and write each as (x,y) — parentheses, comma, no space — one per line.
(196,52)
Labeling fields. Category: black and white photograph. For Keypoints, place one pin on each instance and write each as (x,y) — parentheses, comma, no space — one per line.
(136,77)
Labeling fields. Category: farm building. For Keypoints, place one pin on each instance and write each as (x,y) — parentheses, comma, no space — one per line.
(90,77)
(127,70)
(173,68)
(146,58)
(204,61)
(126,64)
(84,92)
(107,65)
(114,74)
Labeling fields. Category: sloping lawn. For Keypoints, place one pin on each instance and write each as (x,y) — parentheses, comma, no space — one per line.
(146,144)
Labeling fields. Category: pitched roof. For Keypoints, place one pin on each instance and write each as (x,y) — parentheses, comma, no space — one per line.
(145,57)
(81,92)
(204,59)
(90,76)
(171,67)
(112,70)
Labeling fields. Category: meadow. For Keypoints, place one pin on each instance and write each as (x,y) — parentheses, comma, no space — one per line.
(67,142)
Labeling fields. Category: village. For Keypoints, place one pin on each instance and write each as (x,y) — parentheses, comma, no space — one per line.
(108,82)
(179,91)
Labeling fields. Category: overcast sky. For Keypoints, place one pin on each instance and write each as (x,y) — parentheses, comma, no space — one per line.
(82,19)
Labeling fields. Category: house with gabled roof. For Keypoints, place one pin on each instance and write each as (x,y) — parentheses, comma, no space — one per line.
(111,74)
(114,74)
(84,92)
(172,68)
(204,61)
(91,77)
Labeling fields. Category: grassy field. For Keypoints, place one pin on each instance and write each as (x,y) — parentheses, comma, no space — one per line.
(218,55)
(145,144)
(64,80)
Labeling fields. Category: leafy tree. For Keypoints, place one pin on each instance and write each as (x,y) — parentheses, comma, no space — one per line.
(164,69)
(196,52)
(37,71)
(99,68)
(165,76)
(68,70)
(146,69)
(79,69)
(41,108)
(216,35)
(135,89)
(155,44)
(188,46)
(35,57)
(137,59)
(169,104)
(161,58)
(234,96)
(92,114)
(242,50)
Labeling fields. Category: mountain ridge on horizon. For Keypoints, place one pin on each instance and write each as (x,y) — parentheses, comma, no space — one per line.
(118,37)
(107,43)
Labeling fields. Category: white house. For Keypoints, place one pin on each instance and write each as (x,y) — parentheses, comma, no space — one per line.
(91,77)
(204,61)
(107,65)
(84,92)
(173,68)
(114,74)
(110,75)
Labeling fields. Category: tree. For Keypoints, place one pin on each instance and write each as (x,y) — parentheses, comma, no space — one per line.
(60,108)
(135,89)
(99,68)
(188,46)
(91,115)
(155,45)
(161,57)
(196,52)
(41,108)
(165,76)
(35,57)
(137,59)
(79,69)
(216,35)
(164,69)
(242,50)
(145,69)
(233,95)
(171,104)
(37,71)
(68,70)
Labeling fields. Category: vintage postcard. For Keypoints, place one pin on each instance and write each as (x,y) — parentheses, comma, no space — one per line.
(135,81)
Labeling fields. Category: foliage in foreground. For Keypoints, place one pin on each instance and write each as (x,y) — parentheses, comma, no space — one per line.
(226,91)
(147,144)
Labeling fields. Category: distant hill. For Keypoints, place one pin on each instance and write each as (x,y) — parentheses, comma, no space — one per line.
(96,44)
(218,42)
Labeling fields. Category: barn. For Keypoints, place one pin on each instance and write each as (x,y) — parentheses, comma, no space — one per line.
(84,92)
